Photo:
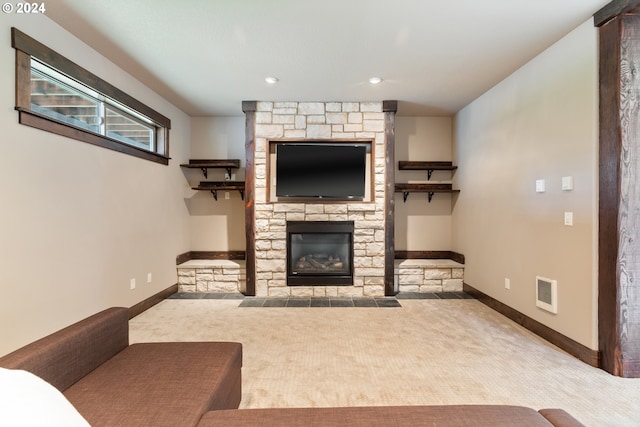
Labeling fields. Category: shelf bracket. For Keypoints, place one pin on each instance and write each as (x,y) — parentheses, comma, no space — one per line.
(405,194)
(429,173)
(215,194)
(430,195)
(204,172)
(229,172)
(241,194)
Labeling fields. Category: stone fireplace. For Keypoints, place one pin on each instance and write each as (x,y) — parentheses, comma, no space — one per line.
(370,260)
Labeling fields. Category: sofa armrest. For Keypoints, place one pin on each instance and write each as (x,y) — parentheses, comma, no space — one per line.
(66,356)
(560,418)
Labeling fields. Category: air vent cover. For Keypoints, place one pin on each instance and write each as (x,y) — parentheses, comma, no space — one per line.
(547,294)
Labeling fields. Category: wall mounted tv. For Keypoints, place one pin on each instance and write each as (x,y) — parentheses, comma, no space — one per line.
(321,170)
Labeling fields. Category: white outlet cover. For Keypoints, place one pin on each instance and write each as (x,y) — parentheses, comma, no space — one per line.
(568,218)
(567,183)
(540,186)
(132,283)
(149,278)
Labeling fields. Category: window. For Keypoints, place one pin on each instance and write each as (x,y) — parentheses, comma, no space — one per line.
(56,95)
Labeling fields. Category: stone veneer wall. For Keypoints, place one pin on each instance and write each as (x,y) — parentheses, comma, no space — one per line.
(319,121)
(208,275)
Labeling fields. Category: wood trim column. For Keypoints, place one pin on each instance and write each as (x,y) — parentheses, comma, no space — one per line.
(249,108)
(619,189)
(389,108)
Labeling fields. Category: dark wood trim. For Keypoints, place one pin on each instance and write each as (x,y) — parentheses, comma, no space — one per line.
(609,190)
(424,188)
(614,9)
(34,120)
(249,108)
(183,257)
(457,257)
(585,354)
(26,44)
(423,255)
(619,194)
(389,108)
(26,48)
(405,165)
(220,185)
(212,163)
(23,78)
(188,256)
(454,256)
(146,304)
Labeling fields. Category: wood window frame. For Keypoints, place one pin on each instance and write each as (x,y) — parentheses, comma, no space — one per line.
(26,48)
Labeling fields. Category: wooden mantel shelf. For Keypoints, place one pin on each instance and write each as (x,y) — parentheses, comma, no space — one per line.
(430,189)
(214,186)
(428,166)
(205,164)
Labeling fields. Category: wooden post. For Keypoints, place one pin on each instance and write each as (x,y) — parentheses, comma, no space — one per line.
(619,192)
(389,108)
(249,108)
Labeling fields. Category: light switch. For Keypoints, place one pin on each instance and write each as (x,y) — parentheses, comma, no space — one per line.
(540,186)
(568,218)
(567,183)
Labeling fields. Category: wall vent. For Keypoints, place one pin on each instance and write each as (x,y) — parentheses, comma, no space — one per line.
(547,294)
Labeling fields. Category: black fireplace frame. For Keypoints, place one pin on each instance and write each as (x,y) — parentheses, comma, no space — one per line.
(320,279)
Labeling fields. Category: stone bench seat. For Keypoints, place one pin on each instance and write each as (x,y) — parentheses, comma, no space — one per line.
(428,275)
(212,275)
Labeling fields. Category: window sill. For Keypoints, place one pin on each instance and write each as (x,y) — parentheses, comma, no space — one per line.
(29,118)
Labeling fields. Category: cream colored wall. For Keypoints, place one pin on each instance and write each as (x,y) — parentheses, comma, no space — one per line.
(539,123)
(219,226)
(77,221)
(421,225)
(216,225)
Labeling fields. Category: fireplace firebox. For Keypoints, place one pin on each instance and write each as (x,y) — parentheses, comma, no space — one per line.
(319,253)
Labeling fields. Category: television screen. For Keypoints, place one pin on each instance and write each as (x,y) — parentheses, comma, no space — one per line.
(321,170)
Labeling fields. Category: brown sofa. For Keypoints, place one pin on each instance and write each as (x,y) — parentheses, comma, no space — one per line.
(385,416)
(112,383)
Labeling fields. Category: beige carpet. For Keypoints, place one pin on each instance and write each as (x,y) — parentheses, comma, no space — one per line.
(427,352)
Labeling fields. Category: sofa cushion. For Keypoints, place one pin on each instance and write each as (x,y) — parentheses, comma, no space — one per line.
(27,400)
(64,357)
(558,417)
(381,416)
(160,384)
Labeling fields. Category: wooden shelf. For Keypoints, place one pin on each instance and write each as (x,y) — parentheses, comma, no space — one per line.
(430,189)
(214,186)
(426,166)
(205,164)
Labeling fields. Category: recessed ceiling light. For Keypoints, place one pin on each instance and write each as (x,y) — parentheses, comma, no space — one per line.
(271,80)
(375,80)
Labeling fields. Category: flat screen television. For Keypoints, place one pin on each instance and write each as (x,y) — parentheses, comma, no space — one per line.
(321,170)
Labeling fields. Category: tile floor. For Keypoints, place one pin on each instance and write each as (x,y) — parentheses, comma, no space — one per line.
(321,301)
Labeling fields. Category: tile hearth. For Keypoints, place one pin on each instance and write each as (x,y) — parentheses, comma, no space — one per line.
(326,302)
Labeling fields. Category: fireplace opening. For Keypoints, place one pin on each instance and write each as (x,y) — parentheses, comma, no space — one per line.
(319,253)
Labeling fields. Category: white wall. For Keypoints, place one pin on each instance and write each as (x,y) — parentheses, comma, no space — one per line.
(78,221)
(420,225)
(539,123)
(216,225)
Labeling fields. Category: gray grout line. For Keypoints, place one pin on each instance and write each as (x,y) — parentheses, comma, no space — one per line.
(333,302)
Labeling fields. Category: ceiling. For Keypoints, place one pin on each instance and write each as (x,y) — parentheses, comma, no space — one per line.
(434,56)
